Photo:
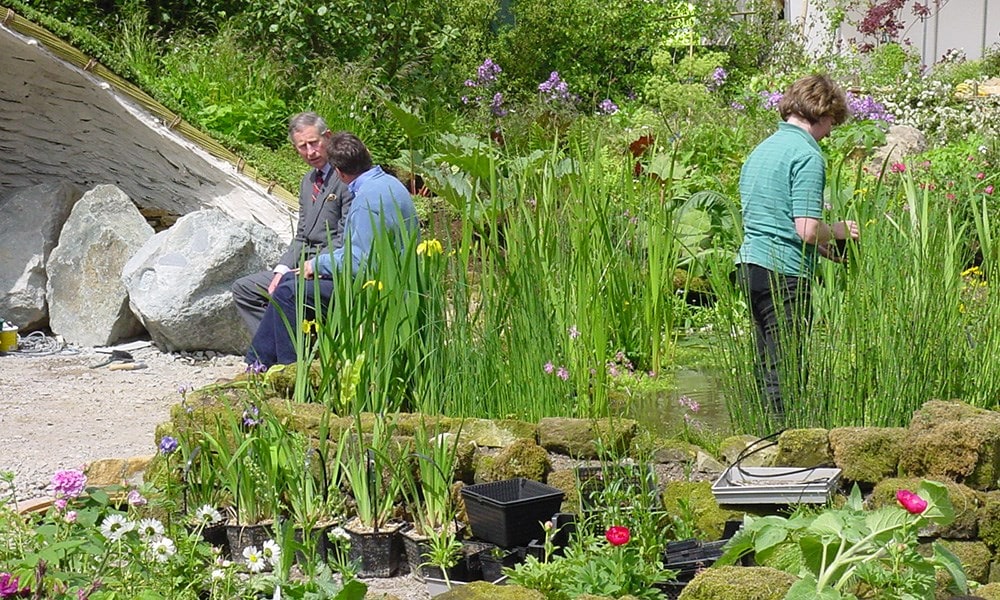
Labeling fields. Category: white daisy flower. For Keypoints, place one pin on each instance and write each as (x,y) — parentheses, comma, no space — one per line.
(114,527)
(207,515)
(162,549)
(271,552)
(218,574)
(150,529)
(339,533)
(255,560)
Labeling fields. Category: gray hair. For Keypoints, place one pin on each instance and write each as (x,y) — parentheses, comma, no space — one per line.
(306,119)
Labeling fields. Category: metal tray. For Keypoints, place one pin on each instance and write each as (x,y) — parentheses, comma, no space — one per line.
(775,485)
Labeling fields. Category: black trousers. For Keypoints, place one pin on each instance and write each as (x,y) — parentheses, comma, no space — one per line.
(781,313)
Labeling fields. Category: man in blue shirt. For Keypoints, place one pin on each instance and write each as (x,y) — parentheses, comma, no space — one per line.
(382,206)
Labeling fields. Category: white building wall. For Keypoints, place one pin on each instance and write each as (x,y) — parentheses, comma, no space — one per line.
(969,25)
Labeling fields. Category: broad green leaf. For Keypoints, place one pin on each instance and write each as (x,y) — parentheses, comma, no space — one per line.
(827,526)
(855,501)
(887,519)
(939,508)
(355,590)
(946,559)
(805,589)
(768,538)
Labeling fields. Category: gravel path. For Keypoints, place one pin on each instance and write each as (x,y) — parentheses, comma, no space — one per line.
(56,412)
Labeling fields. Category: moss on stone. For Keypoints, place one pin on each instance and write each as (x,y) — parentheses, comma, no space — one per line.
(482,590)
(587,438)
(804,448)
(990,591)
(523,458)
(759,454)
(975,557)
(955,441)
(989,520)
(565,480)
(867,454)
(965,500)
(709,518)
(495,434)
(738,583)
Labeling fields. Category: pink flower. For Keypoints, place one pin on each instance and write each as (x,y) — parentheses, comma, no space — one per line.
(980,175)
(562,373)
(68,483)
(988,190)
(70,516)
(573,332)
(950,196)
(689,403)
(913,503)
(549,367)
(60,504)
(618,535)
(897,167)
(135,498)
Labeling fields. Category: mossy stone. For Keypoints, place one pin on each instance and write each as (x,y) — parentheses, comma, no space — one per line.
(804,448)
(708,516)
(495,434)
(738,583)
(565,480)
(673,451)
(482,467)
(965,500)
(586,438)
(758,453)
(953,440)
(523,458)
(482,590)
(975,557)
(990,591)
(867,454)
(989,520)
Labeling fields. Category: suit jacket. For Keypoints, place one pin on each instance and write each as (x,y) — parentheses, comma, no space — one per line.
(320,220)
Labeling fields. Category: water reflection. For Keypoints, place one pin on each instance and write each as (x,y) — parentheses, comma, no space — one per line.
(663,413)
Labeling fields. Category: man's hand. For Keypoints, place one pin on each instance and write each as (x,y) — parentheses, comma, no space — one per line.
(274,283)
(307,269)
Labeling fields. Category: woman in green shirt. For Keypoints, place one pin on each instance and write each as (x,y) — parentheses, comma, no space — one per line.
(781,191)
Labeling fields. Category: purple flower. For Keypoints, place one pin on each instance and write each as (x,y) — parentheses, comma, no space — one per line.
(549,367)
(135,498)
(573,332)
(68,483)
(256,368)
(496,107)
(867,108)
(718,78)
(250,415)
(607,107)
(562,373)
(168,444)
(737,106)
(60,504)
(10,589)
(771,99)
(488,72)
(554,89)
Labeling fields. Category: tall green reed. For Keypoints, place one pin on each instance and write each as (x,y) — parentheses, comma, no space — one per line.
(892,327)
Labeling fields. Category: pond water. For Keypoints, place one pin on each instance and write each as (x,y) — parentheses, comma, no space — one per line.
(663,412)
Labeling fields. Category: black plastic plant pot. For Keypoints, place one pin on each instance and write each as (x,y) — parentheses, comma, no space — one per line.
(510,513)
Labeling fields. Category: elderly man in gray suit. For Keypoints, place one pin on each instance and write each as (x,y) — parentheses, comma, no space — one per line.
(323,205)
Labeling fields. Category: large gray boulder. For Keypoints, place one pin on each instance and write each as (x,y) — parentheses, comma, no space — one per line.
(178,282)
(30,222)
(88,304)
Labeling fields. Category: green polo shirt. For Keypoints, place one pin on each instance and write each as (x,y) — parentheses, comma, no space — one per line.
(782,179)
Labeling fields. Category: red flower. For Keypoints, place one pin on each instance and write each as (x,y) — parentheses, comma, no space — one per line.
(618,535)
(913,503)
